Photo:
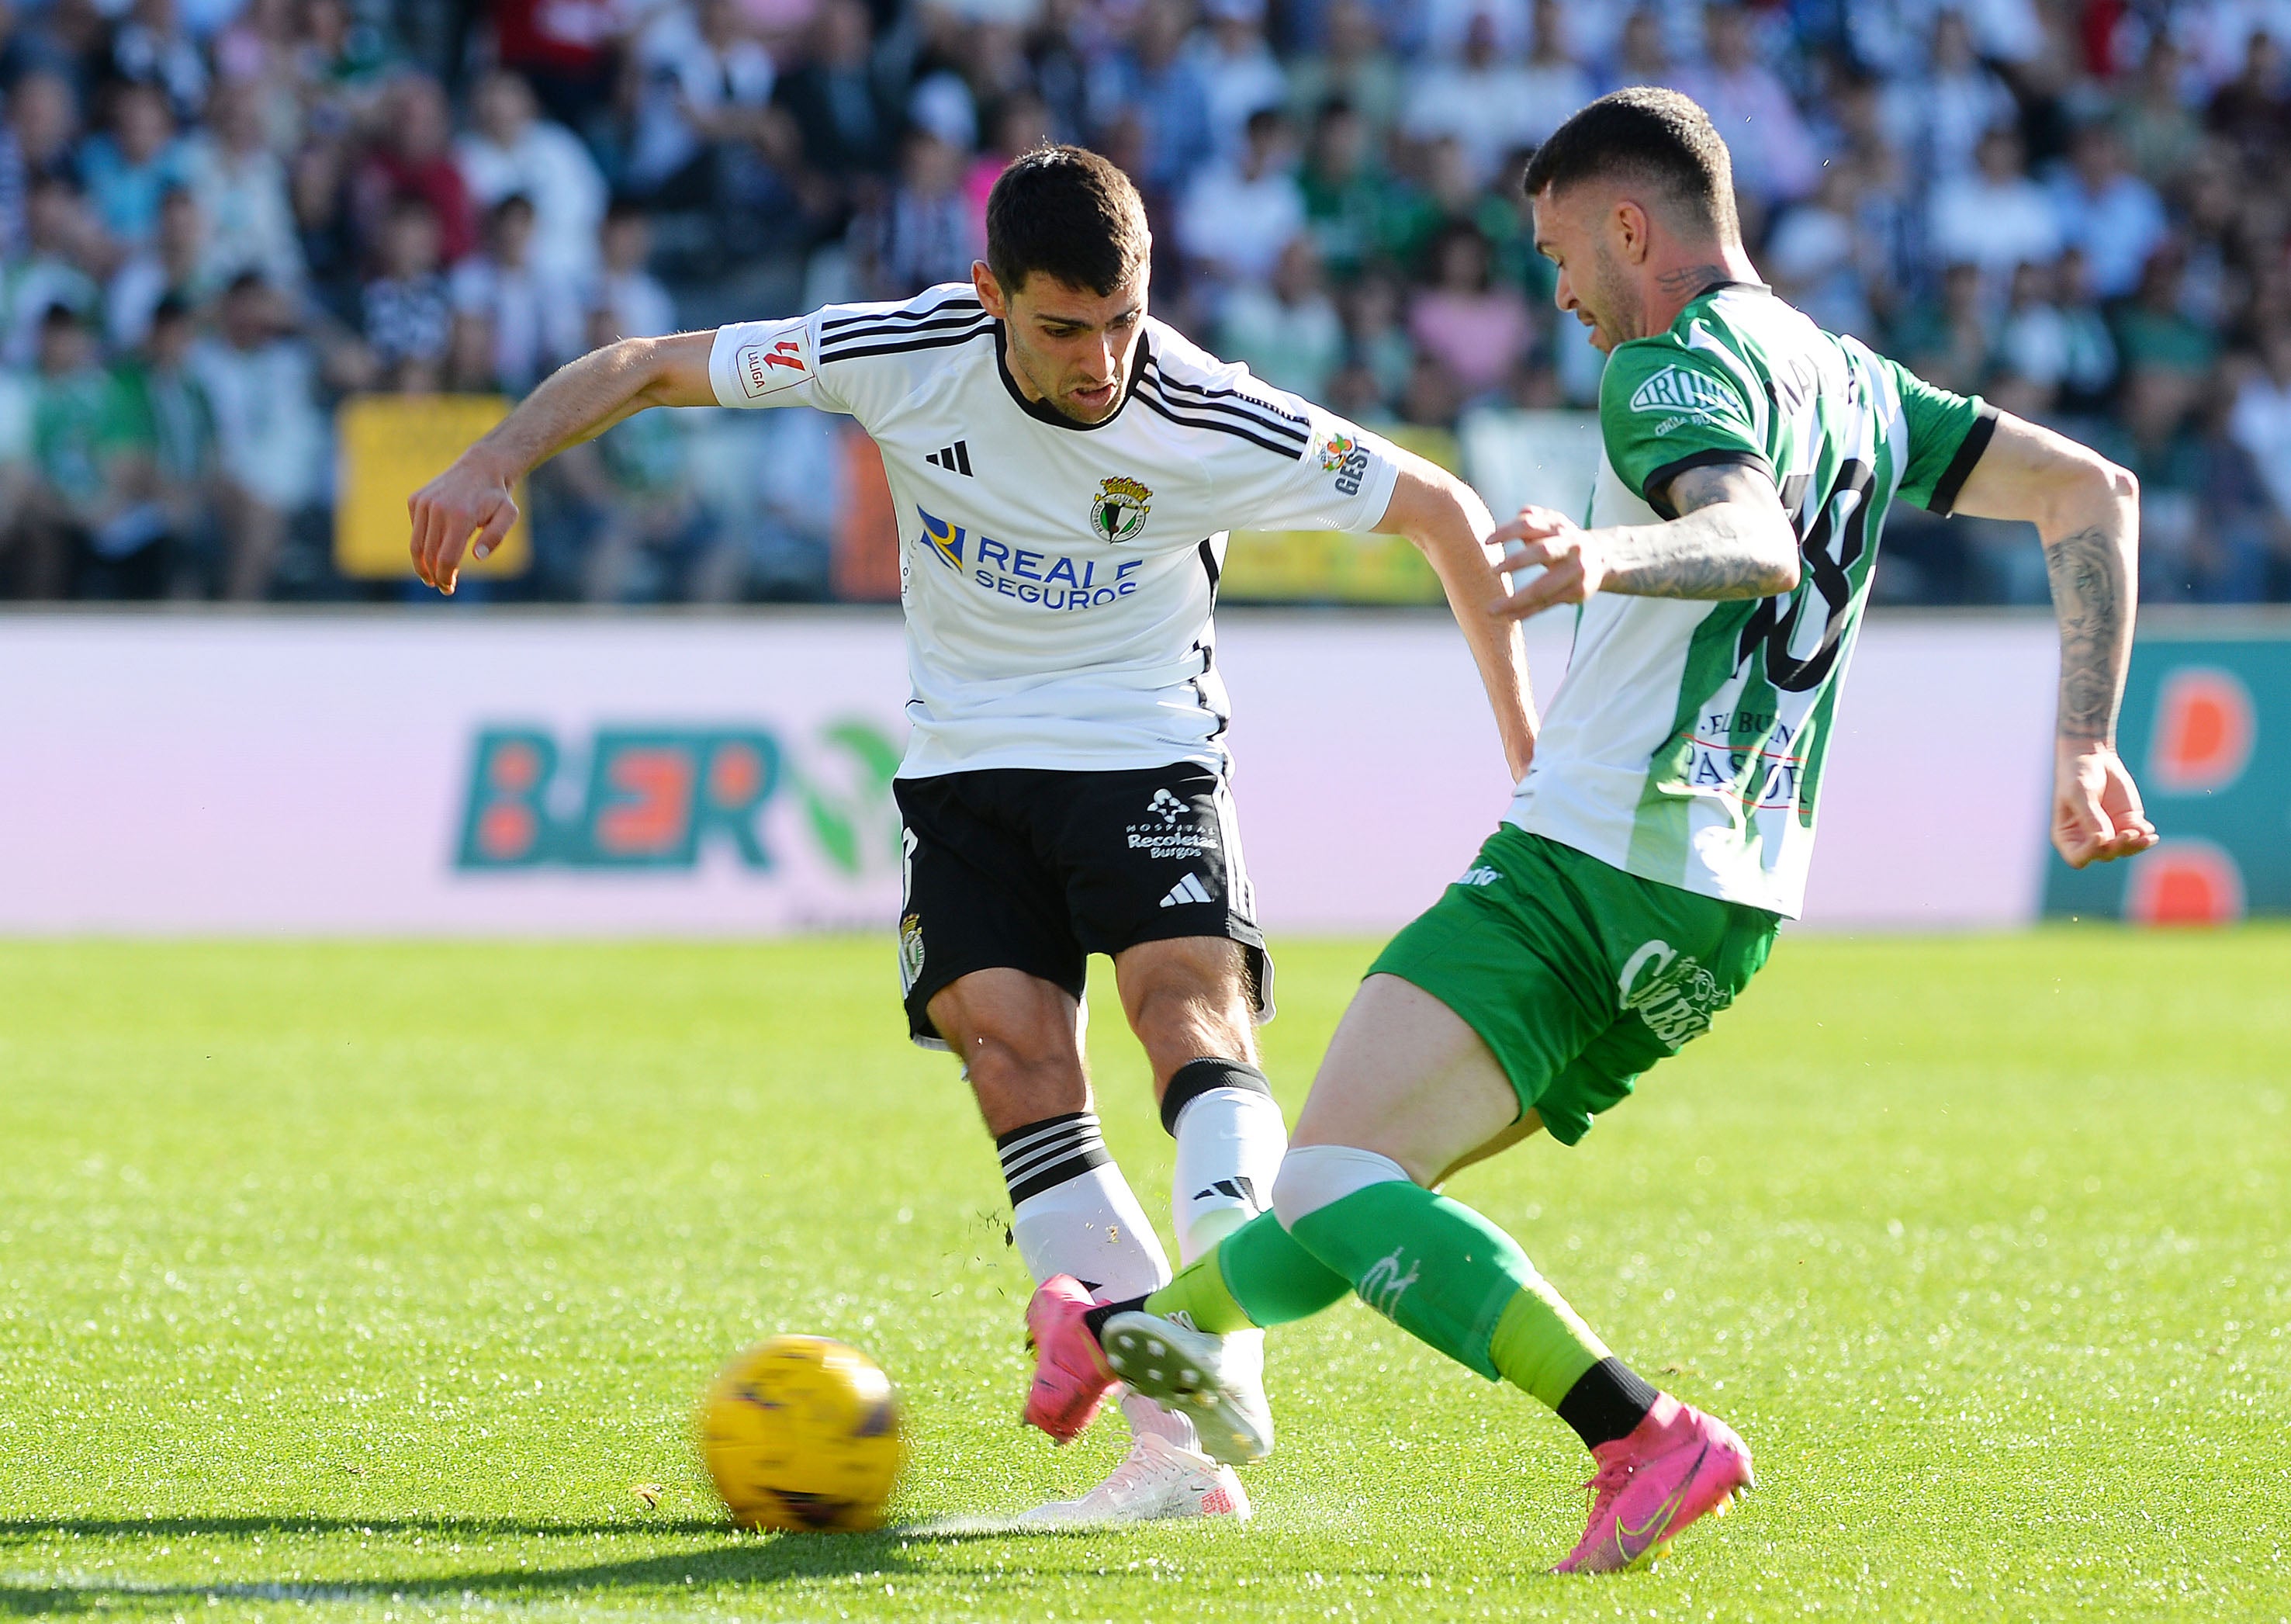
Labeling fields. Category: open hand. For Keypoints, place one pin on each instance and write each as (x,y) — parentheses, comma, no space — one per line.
(2096,816)
(467,498)
(1549,558)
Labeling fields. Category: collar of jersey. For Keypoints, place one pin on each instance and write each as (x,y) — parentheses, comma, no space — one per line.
(1724,282)
(1042,412)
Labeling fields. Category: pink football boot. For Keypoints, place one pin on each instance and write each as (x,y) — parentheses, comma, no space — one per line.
(1674,1466)
(1071,1380)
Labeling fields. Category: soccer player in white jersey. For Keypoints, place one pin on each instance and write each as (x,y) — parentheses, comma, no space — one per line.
(1663,830)
(1065,469)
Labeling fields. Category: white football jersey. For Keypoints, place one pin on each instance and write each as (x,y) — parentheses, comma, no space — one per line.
(1059,578)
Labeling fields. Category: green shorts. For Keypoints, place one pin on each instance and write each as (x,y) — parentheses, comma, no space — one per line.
(1576,975)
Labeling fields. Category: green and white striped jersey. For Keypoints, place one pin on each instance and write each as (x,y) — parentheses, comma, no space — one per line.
(1685,745)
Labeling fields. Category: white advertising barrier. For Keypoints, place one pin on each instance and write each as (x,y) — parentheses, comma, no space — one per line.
(506,774)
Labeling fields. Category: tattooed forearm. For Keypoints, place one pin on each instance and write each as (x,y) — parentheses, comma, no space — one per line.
(1731,540)
(2086,509)
(2092,593)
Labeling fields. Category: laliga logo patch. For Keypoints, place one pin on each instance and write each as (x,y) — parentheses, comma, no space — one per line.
(766,369)
(1118,513)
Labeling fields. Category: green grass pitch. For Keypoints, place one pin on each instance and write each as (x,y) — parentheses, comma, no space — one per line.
(364,1282)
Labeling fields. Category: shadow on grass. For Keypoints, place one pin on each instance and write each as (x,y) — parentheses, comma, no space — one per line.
(247,1527)
(742,1560)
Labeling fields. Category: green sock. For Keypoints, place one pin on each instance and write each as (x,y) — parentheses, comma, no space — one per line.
(1256,1275)
(1443,1274)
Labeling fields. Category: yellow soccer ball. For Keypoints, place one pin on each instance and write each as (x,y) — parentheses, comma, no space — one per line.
(803,1432)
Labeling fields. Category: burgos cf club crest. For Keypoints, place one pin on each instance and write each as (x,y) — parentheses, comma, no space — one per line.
(1120,511)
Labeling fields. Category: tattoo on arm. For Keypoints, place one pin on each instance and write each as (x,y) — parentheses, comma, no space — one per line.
(2092,594)
(1690,279)
(1731,540)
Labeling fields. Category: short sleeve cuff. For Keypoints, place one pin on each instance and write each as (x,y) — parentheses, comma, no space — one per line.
(1655,488)
(1976,439)
(756,363)
(1376,492)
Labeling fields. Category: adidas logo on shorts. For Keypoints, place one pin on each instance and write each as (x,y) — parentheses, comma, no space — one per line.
(1188,889)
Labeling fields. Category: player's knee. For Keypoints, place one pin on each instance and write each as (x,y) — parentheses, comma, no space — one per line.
(1317,1176)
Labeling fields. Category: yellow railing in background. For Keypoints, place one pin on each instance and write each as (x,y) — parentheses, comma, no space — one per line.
(388,446)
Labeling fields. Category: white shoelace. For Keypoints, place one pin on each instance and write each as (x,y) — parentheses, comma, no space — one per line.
(1137,1471)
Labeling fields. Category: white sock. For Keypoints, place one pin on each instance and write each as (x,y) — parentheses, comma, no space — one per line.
(1148,1418)
(1072,1212)
(1230,1142)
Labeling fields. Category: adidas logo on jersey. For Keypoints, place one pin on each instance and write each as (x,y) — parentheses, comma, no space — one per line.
(955,458)
(1187,890)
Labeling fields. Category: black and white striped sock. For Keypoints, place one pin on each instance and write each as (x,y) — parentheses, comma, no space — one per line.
(1042,1155)
(1072,1212)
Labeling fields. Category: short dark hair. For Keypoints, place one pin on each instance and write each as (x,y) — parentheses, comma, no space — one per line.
(1646,134)
(1068,213)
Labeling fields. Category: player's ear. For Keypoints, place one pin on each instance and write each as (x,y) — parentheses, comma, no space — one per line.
(1632,238)
(990,291)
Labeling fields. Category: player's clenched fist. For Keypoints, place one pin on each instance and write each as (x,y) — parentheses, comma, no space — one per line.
(468,498)
(1546,559)
(2096,812)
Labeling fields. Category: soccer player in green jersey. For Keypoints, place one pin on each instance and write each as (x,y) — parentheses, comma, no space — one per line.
(1663,828)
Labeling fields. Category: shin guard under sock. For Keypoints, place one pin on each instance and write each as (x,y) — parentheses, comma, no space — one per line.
(1230,1137)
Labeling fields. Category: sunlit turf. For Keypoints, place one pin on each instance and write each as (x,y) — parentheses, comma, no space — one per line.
(365,1281)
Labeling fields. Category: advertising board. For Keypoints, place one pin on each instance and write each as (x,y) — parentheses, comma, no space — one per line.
(501,773)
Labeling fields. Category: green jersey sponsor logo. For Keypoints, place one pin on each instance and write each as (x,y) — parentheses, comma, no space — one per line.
(1674,389)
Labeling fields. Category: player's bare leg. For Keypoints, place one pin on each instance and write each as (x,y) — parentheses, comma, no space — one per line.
(1019,1040)
(1078,1226)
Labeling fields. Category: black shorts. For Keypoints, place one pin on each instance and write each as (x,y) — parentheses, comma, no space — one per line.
(1024,868)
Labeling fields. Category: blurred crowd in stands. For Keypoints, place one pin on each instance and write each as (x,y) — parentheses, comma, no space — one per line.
(220,218)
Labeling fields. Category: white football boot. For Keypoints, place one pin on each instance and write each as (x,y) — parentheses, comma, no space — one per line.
(1220,1381)
(1156,1479)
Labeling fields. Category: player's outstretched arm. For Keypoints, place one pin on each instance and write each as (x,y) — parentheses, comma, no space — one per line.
(579,401)
(1446,519)
(2086,511)
(1732,539)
